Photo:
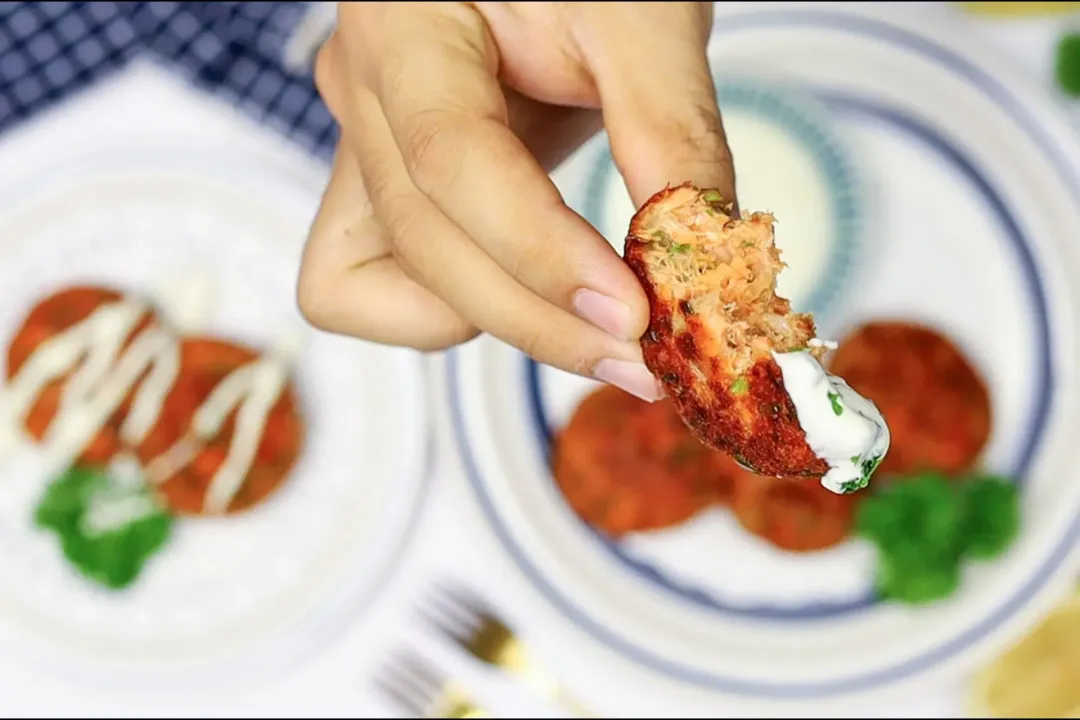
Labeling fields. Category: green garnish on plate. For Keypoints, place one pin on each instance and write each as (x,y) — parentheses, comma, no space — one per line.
(107,530)
(1067,64)
(925,528)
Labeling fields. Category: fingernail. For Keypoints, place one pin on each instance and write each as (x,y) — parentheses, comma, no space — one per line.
(633,377)
(606,313)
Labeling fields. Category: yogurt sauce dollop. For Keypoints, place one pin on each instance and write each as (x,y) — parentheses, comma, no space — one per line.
(842,427)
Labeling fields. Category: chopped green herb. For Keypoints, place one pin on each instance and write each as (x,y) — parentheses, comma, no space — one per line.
(854,485)
(680,248)
(712,197)
(855,459)
(112,556)
(837,408)
(870,466)
(661,234)
(747,244)
(740,386)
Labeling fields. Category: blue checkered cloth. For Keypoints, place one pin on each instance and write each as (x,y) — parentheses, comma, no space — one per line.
(52,50)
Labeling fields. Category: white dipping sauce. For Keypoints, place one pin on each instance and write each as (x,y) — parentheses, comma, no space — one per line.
(842,427)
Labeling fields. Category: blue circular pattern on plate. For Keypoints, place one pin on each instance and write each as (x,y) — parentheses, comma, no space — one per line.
(799,115)
(673,668)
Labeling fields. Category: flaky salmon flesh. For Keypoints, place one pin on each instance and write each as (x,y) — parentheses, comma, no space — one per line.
(715,320)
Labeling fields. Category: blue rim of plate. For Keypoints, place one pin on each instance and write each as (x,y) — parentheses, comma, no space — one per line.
(674,669)
(802,117)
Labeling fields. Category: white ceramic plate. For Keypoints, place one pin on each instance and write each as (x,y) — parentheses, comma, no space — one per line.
(979,198)
(226,595)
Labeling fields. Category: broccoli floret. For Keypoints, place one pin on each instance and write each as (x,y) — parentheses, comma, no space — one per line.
(115,557)
(917,525)
(924,511)
(991,515)
(912,575)
(925,526)
(1067,64)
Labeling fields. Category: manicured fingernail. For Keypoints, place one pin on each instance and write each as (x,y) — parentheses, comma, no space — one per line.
(633,377)
(606,313)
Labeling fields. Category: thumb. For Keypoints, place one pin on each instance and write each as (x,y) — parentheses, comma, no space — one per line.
(651,68)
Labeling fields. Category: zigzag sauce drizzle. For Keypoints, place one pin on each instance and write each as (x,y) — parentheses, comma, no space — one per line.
(107,375)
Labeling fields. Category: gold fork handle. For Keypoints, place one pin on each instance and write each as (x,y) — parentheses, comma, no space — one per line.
(462,710)
(516,659)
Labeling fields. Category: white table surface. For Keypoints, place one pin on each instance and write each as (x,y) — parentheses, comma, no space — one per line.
(452,539)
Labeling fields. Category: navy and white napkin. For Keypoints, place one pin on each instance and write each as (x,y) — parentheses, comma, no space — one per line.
(243,52)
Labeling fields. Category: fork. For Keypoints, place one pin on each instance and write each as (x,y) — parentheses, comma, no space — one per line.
(413,685)
(470,623)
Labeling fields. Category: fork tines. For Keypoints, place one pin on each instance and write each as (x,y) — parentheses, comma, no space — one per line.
(410,683)
(455,612)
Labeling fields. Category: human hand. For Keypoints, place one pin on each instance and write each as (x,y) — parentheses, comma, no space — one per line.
(440,220)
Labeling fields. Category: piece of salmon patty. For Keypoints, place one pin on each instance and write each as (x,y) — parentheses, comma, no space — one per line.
(742,368)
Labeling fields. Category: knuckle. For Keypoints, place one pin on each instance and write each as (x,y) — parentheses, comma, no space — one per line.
(432,156)
(313,299)
(451,336)
(402,217)
(326,75)
(540,343)
(704,132)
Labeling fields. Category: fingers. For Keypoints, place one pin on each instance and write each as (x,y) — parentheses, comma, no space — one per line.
(659,99)
(440,256)
(434,76)
(350,283)
(551,133)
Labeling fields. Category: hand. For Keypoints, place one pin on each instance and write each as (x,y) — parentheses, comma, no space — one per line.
(440,220)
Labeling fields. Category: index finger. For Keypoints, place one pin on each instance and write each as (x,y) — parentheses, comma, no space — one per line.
(660,107)
(435,76)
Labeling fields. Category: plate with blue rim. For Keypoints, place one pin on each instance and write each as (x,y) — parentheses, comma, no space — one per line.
(976,178)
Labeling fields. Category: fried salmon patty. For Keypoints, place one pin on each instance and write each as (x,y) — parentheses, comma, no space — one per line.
(792,514)
(625,465)
(50,317)
(205,363)
(715,320)
(936,403)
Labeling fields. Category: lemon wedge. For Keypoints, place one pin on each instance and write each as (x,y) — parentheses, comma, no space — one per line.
(1019,9)
(1037,677)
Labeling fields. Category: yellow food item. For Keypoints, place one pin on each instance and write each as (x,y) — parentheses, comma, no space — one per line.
(1037,677)
(1016,9)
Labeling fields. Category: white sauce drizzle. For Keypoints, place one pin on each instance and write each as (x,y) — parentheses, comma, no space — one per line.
(122,501)
(842,427)
(106,376)
(255,388)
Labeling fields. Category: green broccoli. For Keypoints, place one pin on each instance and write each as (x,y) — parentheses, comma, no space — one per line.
(112,556)
(924,511)
(1067,64)
(991,515)
(925,526)
(911,575)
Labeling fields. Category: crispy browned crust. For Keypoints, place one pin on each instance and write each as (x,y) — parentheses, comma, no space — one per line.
(758,427)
